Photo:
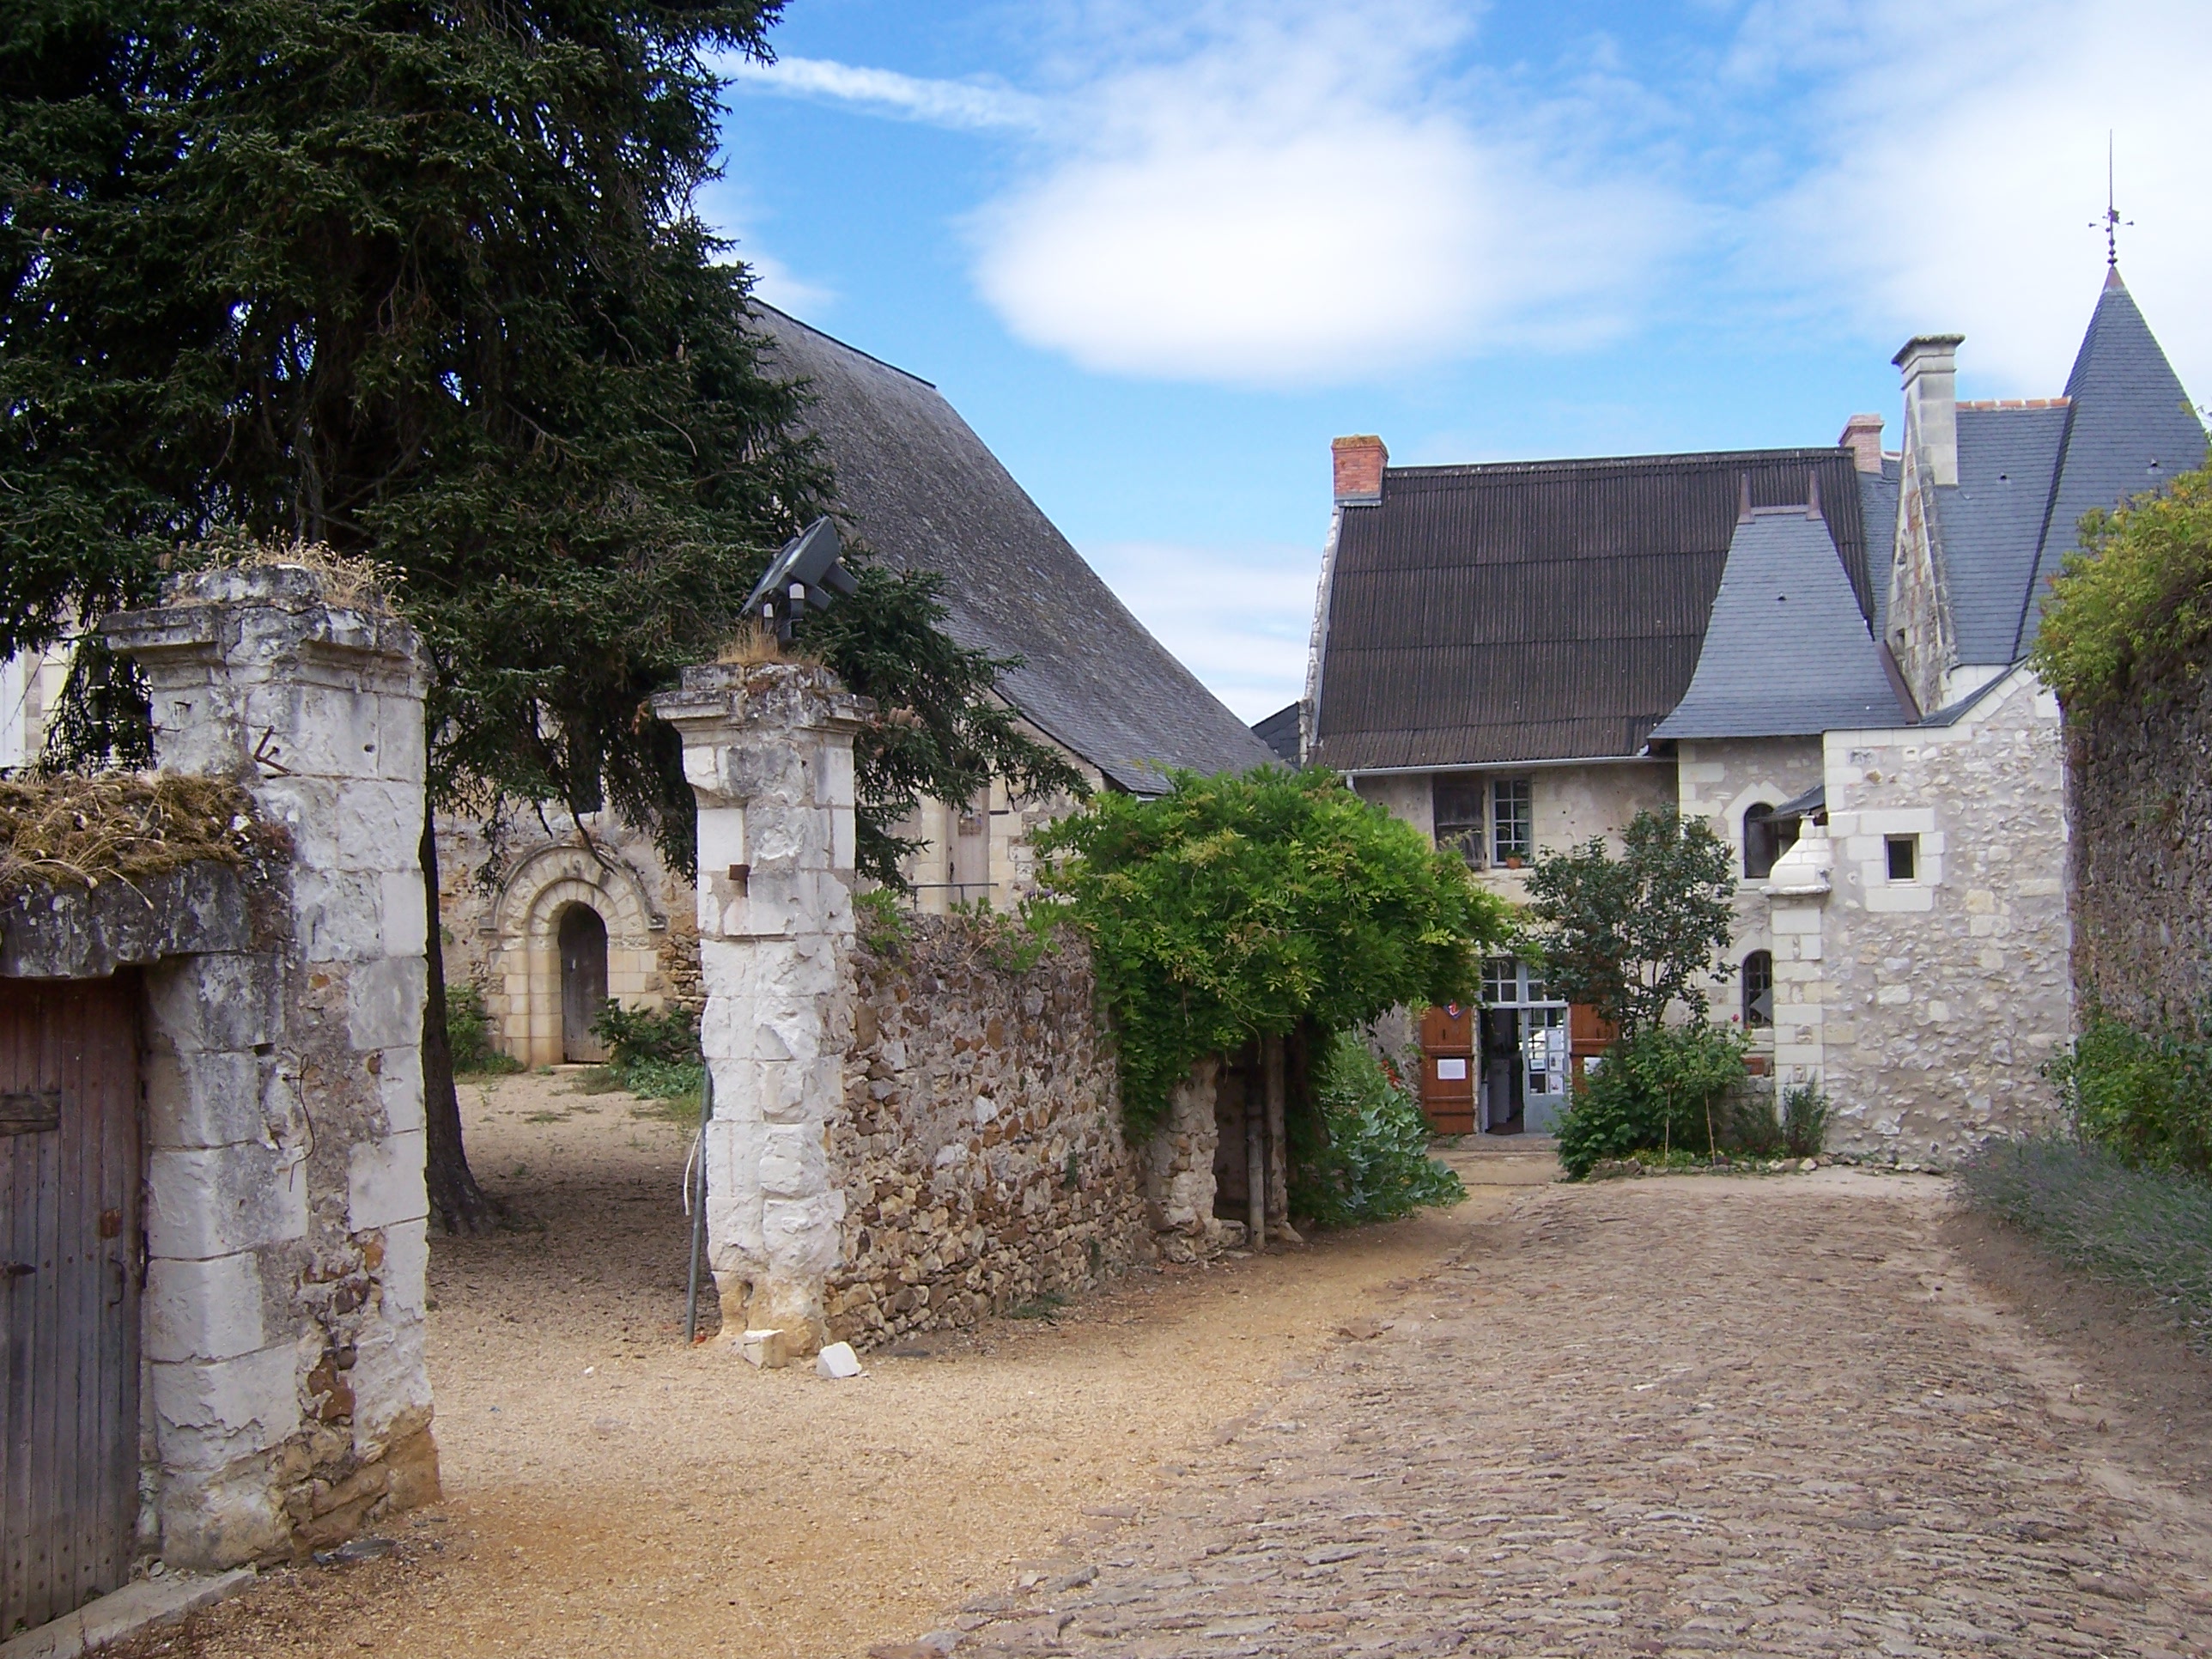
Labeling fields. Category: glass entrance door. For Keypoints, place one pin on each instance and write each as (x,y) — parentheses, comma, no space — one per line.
(1530,1091)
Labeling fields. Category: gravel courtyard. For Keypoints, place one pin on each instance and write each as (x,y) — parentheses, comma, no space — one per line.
(1770,1415)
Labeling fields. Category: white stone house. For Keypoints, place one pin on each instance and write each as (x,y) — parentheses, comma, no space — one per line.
(1821,654)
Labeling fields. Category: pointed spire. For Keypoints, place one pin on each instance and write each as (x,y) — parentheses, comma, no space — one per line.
(2113,277)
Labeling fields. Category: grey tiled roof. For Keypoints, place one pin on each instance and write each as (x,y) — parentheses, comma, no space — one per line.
(1787,653)
(1991,523)
(2027,474)
(924,492)
(1279,732)
(2130,427)
(1878,507)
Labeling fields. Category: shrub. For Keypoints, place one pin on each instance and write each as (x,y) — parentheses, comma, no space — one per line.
(1374,1163)
(1233,908)
(1749,1125)
(1655,1090)
(655,1055)
(2150,1229)
(2145,1097)
(468,1034)
(1633,935)
(1805,1120)
(2135,601)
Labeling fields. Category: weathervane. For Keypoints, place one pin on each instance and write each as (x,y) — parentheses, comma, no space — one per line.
(2111,223)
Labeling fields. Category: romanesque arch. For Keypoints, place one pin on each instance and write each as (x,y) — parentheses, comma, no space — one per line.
(523,991)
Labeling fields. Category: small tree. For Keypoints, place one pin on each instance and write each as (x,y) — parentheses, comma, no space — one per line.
(1633,935)
(1233,908)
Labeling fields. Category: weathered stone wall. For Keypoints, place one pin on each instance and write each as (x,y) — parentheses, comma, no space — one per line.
(1718,781)
(980,1150)
(287,1400)
(2140,773)
(1927,1007)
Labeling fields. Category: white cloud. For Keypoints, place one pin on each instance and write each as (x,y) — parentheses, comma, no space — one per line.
(1238,617)
(1302,193)
(1960,158)
(939,103)
(777,284)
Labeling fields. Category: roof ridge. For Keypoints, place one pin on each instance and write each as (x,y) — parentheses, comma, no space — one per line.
(843,345)
(2014,402)
(1465,469)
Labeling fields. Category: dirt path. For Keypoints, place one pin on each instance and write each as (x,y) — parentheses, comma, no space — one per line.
(609,1493)
(1774,1416)
(1665,1417)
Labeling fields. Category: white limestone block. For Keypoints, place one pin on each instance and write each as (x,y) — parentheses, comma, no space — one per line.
(384,1002)
(212,1201)
(390,1381)
(208,1310)
(400,1089)
(207,1413)
(406,918)
(209,1097)
(838,1362)
(384,1182)
(406,1268)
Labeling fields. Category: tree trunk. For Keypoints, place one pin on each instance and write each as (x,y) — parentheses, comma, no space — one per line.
(1278,1154)
(1255,1169)
(456,1204)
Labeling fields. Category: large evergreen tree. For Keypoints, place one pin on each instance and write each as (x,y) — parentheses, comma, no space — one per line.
(422,280)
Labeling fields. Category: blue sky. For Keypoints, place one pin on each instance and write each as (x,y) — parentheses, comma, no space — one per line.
(1158,254)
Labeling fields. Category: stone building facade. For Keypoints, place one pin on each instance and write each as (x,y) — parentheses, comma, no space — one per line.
(1921,936)
(1826,647)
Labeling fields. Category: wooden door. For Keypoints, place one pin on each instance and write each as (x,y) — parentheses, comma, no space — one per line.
(1590,1035)
(1448,1072)
(70,1269)
(583,981)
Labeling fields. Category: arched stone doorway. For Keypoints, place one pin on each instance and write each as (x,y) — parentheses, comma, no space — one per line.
(583,944)
(533,998)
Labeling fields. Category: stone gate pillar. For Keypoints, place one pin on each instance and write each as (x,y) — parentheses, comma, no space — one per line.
(767,749)
(285,1216)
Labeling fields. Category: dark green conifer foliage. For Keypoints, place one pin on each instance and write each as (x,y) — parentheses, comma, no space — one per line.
(422,279)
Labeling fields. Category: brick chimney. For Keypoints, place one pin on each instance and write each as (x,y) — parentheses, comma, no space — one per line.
(1359,464)
(1863,437)
(1931,363)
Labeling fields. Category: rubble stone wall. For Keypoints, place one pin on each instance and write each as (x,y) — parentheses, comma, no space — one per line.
(979,1146)
(2140,773)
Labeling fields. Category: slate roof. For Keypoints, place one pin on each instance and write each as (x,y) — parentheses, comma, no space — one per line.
(2027,474)
(1878,511)
(1787,653)
(1279,732)
(924,492)
(1536,610)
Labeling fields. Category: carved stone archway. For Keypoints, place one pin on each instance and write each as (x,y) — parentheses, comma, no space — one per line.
(523,995)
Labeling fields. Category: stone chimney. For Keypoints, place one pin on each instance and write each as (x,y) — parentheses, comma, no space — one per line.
(1931,363)
(1863,437)
(1359,464)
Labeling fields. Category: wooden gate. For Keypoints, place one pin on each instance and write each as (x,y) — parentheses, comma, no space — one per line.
(71,1268)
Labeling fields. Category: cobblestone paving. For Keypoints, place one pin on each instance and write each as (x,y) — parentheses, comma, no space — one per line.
(1653,1417)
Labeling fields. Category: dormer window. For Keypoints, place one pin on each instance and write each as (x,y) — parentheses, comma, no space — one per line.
(1765,838)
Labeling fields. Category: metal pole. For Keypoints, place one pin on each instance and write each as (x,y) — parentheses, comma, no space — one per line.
(699,1208)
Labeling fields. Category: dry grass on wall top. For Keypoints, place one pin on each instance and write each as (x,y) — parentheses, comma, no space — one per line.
(80,832)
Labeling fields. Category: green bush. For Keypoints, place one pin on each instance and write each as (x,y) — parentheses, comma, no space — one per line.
(1372,1163)
(1655,1092)
(2150,1229)
(1233,908)
(468,1034)
(655,1055)
(1805,1121)
(2145,1097)
(2135,605)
